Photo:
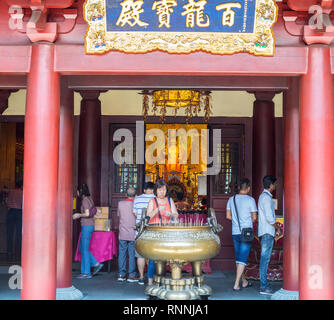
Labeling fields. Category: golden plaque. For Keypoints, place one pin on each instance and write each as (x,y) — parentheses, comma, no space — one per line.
(99,40)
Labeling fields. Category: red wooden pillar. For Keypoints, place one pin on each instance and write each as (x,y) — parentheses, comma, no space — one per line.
(291,187)
(65,290)
(90,143)
(263,140)
(316,263)
(39,250)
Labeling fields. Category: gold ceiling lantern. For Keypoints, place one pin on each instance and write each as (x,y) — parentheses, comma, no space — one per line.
(191,101)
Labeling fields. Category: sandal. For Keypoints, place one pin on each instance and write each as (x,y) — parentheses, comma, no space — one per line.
(249,284)
(237,289)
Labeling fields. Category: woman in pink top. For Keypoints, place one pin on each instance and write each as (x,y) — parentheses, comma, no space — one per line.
(161,203)
(87,229)
(167,209)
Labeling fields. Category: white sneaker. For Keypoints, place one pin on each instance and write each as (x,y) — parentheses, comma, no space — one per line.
(121,278)
(132,279)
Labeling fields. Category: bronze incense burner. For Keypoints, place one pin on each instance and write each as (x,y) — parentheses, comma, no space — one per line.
(175,245)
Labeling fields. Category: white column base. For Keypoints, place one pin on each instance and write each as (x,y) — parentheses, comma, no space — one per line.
(71,293)
(285,295)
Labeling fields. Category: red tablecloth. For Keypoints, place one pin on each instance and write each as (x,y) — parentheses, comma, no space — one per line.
(103,246)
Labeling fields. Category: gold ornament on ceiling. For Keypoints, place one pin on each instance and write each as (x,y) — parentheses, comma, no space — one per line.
(168,102)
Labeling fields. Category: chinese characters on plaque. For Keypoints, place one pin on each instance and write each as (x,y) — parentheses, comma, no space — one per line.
(181,26)
(180,15)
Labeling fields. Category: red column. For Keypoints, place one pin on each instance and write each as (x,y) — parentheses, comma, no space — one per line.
(316,264)
(291,187)
(65,189)
(263,140)
(39,251)
(90,143)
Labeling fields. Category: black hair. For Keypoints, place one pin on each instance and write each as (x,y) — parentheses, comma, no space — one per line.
(83,190)
(149,185)
(244,184)
(268,180)
(159,184)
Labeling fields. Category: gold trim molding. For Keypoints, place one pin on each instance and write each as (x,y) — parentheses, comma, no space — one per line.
(261,42)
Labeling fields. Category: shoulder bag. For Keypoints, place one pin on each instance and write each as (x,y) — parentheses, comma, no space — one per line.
(92,210)
(247,234)
(156,201)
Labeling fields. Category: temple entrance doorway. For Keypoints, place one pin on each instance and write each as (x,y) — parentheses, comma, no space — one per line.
(176,152)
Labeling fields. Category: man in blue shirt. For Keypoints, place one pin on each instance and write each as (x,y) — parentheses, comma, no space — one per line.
(266,229)
(242,211)
(140,203)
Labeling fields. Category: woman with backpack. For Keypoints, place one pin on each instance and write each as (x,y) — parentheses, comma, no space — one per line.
(88,211)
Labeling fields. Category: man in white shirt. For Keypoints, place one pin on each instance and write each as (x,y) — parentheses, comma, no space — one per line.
(140,203)
(266,229)
(241,209)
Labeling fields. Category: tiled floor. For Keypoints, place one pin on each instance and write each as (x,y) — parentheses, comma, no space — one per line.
(105,286)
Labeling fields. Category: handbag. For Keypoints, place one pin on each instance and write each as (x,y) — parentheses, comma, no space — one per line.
(247,234)
(92,211)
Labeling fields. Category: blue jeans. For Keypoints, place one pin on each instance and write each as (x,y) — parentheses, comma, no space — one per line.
(241,249)
(150,269)
(267,242)
(126,246)
(87,259)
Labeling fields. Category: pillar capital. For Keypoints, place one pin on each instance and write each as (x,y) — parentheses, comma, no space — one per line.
(264,95)
(91,94)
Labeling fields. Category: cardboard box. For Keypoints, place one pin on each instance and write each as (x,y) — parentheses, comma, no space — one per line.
(279,219)
(102,213)
(102,225)
(276,204)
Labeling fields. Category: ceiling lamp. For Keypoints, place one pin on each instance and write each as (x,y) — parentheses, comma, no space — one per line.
(163,101)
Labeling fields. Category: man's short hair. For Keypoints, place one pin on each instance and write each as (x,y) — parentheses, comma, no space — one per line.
(149,185)
(131,192)
(244,184)
(268,180)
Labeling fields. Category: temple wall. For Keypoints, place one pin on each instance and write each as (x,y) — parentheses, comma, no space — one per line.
(129,102)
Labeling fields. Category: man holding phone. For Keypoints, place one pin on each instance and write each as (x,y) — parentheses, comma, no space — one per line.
(267,229)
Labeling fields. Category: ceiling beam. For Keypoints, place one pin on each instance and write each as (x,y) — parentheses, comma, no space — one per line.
(8,82)
(136,82)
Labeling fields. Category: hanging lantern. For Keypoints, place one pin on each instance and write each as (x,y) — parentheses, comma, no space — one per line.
(190,101)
